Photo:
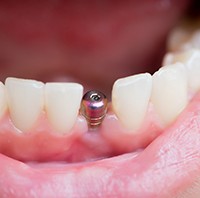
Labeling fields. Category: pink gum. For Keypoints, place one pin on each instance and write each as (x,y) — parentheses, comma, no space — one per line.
(43,143)
(168,166)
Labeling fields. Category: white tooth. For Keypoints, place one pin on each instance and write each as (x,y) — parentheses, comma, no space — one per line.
(3,101)
(183,38)
(130,99)
(169,92)
(25,101)
(178,39)
(168,59)
(195,39)
(62,102)
(191,59)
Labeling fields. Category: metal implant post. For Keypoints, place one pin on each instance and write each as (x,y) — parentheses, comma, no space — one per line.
(94,107)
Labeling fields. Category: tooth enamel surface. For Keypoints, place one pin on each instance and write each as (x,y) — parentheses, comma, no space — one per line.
(194,41)
(62,101)
(130,99)
(168,59)
(178,39)
(191,60)
(169,92)
(184,38)
(25,101)
(3,101)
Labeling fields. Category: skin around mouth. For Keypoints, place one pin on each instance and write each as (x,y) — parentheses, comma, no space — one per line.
(105,170)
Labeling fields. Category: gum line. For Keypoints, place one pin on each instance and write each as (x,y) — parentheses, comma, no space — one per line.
(43,143)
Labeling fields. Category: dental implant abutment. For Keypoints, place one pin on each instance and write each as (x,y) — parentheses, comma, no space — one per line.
(94,108)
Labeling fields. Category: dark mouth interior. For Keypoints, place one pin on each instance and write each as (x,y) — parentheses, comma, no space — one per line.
(97,44)
(76,41)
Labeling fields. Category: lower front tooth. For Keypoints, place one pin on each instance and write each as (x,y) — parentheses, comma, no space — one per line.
(130,99)
(62,102)
(169,93)
(25,101)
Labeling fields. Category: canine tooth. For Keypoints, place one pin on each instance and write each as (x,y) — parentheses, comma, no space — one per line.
(25,101)
(191,59)
(3,101)
(169,92)
(62,101)
(130,99)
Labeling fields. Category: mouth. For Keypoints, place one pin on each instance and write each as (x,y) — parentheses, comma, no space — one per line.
(148,142)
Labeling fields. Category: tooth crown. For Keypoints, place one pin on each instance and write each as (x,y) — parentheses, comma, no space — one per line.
(191,60)
(62,101)
(25,101)
(130,99)
(170,91)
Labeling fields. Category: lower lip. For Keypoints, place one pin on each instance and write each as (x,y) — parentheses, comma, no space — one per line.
(172,158)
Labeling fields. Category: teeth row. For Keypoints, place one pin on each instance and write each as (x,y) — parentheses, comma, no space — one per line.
(26,99)
(167,89)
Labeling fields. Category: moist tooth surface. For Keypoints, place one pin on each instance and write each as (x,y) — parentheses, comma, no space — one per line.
(130,99)
(62,103)
(25,101)
(191,60)
(170,91)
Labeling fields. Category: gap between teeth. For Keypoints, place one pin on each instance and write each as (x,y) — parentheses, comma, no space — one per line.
(167,89)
